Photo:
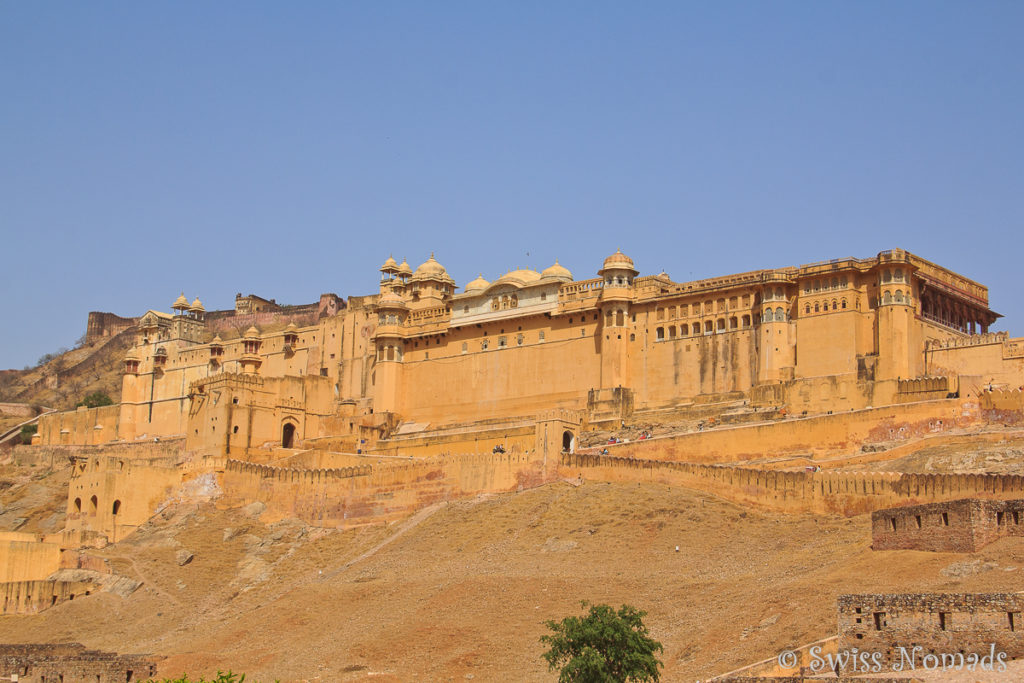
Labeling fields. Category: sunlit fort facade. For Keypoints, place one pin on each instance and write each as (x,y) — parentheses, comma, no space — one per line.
(420,355)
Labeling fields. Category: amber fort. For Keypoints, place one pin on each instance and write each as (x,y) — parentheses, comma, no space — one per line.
(779,390)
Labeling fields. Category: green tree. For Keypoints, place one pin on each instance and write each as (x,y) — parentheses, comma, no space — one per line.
(603,646)
(95,400)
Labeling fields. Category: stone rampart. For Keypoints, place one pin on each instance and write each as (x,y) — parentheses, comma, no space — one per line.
(905,627)
(348,496)
(956,526)
(823,434)
(56,455)
(845,493)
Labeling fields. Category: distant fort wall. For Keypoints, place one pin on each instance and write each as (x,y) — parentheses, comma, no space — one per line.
(812,436)
(100,325)
(349,496)
(845,493)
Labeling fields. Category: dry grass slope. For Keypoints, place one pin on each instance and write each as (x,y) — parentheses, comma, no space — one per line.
(467,588)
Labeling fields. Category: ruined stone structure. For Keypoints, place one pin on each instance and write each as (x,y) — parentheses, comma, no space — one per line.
(957,526)
(945,626)
(71,663)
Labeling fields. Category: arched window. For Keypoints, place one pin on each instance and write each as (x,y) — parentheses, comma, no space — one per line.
(746,321)
(734,323)
(768,316)
(887,275)
(620,318)
(817,307)
(807,308)
(887,298)
(898,275)
(835,283)
(899,296)
(835,305)
(844,303)
(780,315)
(684,330)
(94,505)
(671,331)
(660,333)
(608,319)
(78,505)
(778,292)
(709,327)
(116,508)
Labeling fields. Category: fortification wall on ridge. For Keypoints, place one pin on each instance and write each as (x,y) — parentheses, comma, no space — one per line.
(845,493)
(355,495)
(813,436)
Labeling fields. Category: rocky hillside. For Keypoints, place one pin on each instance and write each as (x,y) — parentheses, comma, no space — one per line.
(461,591)
(63,380)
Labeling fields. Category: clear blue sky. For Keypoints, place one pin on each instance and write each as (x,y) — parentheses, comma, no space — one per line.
(286,149)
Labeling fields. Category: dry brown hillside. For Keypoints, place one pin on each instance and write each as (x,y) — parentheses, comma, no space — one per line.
(462,590)
(65,379)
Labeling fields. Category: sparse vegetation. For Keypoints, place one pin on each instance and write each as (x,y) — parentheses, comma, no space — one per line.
(222,677)
(95,400)
(27,432)
(603,646)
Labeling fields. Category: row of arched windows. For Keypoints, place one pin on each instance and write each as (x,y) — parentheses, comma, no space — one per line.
(504,302)
(896,297)
(778,315)
(709,306)
(825,284)
(825,306)
(892,275)
(699,328)
(94,503)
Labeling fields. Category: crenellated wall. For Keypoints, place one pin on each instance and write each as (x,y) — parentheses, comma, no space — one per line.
(83,426)
(832,434)
(845,493)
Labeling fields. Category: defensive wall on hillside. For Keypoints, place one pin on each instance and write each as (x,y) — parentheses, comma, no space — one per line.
(957,526)
(813,436)
(354,495)
(845,493)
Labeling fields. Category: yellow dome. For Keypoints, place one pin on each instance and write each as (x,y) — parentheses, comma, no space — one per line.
(131,355)
(431,269)
(523,275)
(404,268)
(478,284)
(291,327)
(390,300)
(618,261)
(197,306)
(216,340)
(252,332)
(180,302)
(557,270)
(390,265)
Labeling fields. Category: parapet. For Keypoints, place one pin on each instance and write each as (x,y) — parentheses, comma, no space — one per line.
(955,526)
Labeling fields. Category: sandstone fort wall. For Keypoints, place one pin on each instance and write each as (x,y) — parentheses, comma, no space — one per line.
(953,526)
(354,495)
(824,434)
(845,493)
